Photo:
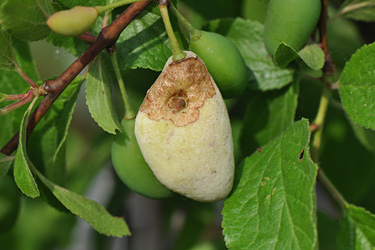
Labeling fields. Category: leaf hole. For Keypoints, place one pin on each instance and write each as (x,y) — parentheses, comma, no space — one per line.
(300,157)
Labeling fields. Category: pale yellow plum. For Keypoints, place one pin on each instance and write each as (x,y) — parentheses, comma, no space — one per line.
(184,132)
(73,22)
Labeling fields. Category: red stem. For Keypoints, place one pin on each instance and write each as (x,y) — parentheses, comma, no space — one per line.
(107,37)
(25,99)
(26,78)
(14,97)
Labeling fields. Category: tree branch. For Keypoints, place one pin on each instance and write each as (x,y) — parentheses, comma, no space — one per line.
(107,37)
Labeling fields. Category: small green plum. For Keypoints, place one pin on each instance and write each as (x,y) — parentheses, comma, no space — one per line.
(131,167)
(223,60)
(290,21)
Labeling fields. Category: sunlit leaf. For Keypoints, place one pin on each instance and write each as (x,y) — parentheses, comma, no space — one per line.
(272,205)
(99,98)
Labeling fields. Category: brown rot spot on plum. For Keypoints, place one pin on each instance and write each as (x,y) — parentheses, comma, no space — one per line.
(300,157)
(177,104)
(178,101)
(179,92)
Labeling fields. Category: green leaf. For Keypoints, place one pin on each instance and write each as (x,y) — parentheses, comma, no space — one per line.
(24,58)
(5,163)
(365,136)
(284,55)
(311,55)
(145,44)
(47,142)
(89,210)
(12,83)
(360,10)
(2,96)
(248,37)
(267,115)
(99,98)
(26,19)
(7,59)
(356,230)
(272,205)
(357,87)
(22,174)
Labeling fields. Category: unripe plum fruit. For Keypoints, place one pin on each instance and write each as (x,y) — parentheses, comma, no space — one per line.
(223,61)
(184,132)
(131,167)
(290,21)
(73,22)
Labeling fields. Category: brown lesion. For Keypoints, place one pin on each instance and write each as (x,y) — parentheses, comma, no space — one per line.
(179,92)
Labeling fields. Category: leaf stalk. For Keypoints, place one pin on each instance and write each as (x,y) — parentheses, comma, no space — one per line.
(129,112)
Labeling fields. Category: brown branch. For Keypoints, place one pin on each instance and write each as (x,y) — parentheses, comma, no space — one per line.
(107,37)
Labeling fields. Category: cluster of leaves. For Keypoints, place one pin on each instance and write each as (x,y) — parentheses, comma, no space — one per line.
(273,203)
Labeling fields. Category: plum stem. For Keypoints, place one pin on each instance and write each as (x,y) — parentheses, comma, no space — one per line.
(178,54)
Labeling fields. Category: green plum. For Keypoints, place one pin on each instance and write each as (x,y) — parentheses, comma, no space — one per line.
(290,21)
(223,60)
(9,203)
(131,167)
(73,22)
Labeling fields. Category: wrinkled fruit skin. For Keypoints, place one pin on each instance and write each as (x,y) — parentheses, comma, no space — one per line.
(73,22)
(184,132)
(224,62)
(131,167)
(9,203)
(291,22)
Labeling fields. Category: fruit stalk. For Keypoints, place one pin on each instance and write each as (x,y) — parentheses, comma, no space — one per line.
(176,50)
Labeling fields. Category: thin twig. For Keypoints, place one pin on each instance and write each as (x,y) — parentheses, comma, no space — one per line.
(27,97)
(329,67)
(107,37)
(26,78)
